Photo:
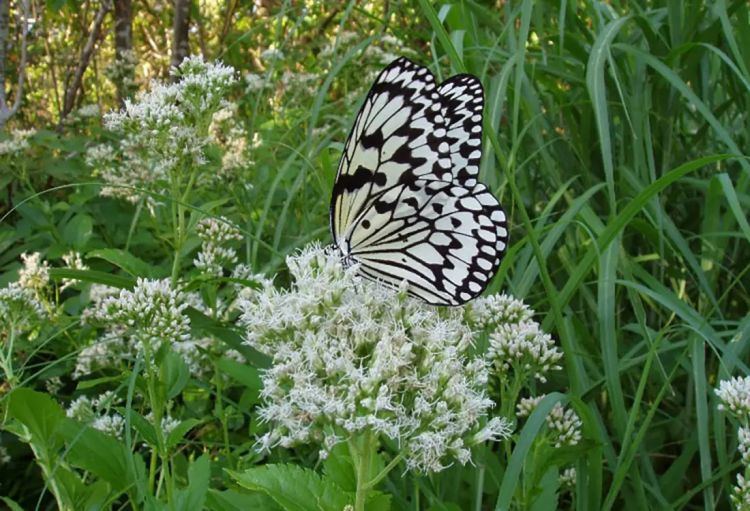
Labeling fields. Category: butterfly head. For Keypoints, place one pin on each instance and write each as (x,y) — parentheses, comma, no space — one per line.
(341,249)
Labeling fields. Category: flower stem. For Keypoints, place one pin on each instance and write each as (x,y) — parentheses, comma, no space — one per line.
(7,359)
(362,456)
(375,480)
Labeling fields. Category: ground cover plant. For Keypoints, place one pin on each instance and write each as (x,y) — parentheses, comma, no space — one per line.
(174,334)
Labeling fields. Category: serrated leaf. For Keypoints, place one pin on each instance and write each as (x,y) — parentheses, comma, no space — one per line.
(40,414)
(547,488)
(230,500)
(194,496)
(102,455)
(339,468)
(294,488)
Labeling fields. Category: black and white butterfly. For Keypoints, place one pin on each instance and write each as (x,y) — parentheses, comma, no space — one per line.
(406,204)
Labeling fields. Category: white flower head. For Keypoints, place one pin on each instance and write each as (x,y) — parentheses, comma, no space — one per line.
(743,444)
(153,311)
(567,478)
(35,272)
(74,261)
(523,348)
(112,424)
(526,405)
(215,235)
(565,426)
(490,311)
(740,495)
(351,356)
(20,308)
(734,395)
(17,143)
(164,131)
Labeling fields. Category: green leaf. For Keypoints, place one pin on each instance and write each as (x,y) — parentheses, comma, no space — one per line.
(40,414)
(523,445)
(338,467)
(174,374)
(78,230)
(194,496)
(95,382)
(294,488)
(178,433)
(102,455)
(548,486)
(12,505)
(142,426)
(230,500)
(243,373)
(93,276)
(125,260)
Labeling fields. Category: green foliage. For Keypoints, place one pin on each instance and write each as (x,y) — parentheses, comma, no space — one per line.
(616,138)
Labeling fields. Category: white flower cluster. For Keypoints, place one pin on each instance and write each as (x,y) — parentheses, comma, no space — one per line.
(564,424)
(98,413)
(88,111)
(164,131)
(740,495)
(167,425)
(351,357)
(215,234)
(487,312)
(567,478)
(74,261)
(734,398)
(524,349)
(270,54)
(734,395)
(153,311)
(111,347)
(254,82)
(19,309)
(35,272)
(18,141)
(4,456)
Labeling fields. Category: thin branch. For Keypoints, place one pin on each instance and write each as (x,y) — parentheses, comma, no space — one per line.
(88,50)
(5,112)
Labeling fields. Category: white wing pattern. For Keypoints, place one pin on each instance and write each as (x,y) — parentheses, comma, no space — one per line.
(406,204)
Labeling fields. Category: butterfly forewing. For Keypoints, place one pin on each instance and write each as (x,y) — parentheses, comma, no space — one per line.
(406,204)
(463,101)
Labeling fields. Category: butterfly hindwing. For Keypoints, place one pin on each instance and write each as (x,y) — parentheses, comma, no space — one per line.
(444,239)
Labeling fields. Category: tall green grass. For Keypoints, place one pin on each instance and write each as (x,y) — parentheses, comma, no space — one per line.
(615,139)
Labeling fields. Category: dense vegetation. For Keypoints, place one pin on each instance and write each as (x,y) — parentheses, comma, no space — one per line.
(167,168)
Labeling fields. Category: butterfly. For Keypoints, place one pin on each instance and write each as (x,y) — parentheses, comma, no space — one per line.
(406,203)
